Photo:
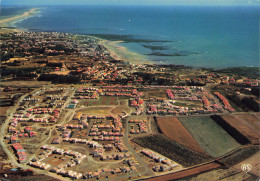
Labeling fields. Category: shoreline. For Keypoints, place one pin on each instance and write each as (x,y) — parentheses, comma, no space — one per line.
(119,52)
(122,53)
(6,25)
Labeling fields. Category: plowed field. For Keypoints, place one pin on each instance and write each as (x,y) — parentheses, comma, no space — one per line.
(246,124)
(173,129)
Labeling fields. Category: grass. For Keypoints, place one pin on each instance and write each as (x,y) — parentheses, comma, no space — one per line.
(3,155)
(103,100)
(240,155)
(156,94)
(171,149)
(189,104)
(210,136)
(96,110)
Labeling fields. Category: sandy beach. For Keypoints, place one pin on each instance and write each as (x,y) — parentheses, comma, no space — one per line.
(122,53)
(5,23)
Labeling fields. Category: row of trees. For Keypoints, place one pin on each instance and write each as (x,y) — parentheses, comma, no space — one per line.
(246,103)
(59,78)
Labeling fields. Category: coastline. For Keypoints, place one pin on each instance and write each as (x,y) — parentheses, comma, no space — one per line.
(122,53)
(6,25)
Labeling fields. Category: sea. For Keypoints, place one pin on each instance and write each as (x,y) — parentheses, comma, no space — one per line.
(198,36)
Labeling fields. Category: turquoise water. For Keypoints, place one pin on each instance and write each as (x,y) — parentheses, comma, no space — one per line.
(196,36)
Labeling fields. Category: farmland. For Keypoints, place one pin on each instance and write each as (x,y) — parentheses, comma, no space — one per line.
(171,149)
(254,161)
(246,125)
(174,130)
(186,173)
(210,136)
(225,174)
(240,155)
(103,100)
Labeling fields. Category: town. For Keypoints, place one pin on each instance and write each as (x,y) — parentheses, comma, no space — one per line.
(87,115)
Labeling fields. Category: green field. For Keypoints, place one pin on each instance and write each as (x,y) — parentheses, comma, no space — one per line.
(210,136)
(103,100)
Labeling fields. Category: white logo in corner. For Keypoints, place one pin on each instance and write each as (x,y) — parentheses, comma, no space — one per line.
(246,167)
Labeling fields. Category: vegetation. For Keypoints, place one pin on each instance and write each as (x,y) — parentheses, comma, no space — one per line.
(232,131)
(59,78)
(3,155)
(173,129)
(23,72)
(210,136)
(250,72)
(20,72)
(171,149)
(221,174)
(255,91)
(245,103)
(240,155)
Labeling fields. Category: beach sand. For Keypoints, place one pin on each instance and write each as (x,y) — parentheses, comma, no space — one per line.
(6,24)
(119,52)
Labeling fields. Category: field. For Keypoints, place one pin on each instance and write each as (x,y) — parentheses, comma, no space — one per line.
(156,93)
(240,155)
(171,149)
(54,161)
(210,136)
(96,110)
(3,111)
(120,109)
(174,130)
(254,161)
(189,104)
(35,177)
(222,174)
(186,173)
(103,100)
(246,124)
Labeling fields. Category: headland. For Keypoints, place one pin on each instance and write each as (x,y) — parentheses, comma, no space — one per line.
(6,24)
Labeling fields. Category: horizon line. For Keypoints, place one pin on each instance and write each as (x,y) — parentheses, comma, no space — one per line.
(191,5)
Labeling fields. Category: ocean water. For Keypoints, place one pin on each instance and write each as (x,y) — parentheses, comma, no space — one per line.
(196,36)
(9,11)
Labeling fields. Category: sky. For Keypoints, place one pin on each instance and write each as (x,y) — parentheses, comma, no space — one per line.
(134,2)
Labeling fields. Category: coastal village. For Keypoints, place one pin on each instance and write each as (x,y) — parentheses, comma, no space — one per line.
(95,115)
